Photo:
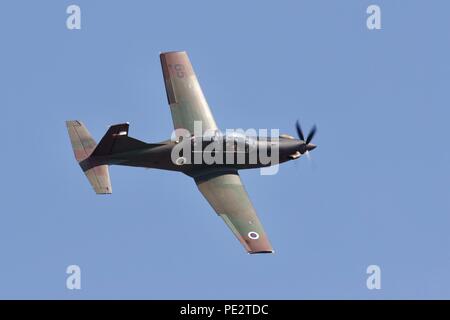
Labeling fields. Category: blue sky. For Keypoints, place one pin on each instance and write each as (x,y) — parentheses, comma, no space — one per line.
(376,193)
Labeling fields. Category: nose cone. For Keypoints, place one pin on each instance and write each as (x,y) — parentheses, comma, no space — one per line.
(310,147)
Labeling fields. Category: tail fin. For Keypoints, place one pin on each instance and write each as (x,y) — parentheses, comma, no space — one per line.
(116,140)
(83,147)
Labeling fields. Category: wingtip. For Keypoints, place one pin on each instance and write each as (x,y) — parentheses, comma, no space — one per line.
(261,251)
(103,191)
(163,53)
(70,123)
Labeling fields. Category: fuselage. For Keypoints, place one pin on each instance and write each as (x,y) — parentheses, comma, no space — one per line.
(197,153)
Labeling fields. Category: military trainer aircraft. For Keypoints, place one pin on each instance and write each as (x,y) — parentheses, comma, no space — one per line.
(219,182)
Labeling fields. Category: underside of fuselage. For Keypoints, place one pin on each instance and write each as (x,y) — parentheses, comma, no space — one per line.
(201,151)
(163,156)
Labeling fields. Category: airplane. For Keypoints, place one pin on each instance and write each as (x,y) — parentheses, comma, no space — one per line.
(219,183)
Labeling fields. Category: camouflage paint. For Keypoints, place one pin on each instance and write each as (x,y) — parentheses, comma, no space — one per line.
(184,94)
(83,146)
(227,195)
(220,184)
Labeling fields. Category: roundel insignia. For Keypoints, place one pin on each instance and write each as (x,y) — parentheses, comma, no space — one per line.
(180,161)
(253,235)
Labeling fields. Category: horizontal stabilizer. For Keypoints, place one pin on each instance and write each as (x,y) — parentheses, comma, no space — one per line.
(82,142)
(99,179)
(83,146)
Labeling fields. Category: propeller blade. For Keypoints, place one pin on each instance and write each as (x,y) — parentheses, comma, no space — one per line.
(311,134)
(308,155)
(299,131)
(311,161)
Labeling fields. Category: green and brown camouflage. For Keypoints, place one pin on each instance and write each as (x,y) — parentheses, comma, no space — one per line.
(184,94)
(219,183)
(83,146)
(227,195)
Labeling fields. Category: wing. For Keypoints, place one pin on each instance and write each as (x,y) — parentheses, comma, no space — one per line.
(226,194)
(185,96)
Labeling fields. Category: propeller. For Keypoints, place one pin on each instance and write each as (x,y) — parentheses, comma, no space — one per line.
(311,134)
(302,136)
(308,155)
(299,131)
